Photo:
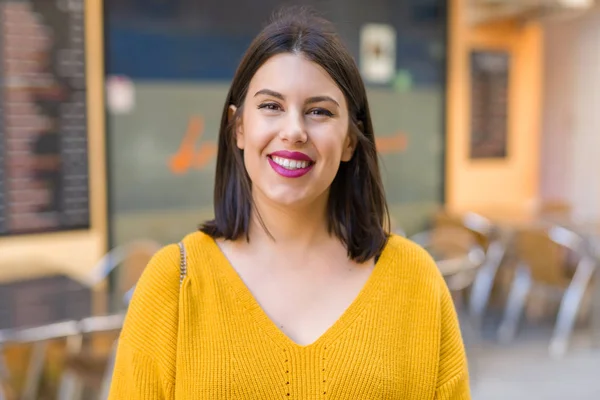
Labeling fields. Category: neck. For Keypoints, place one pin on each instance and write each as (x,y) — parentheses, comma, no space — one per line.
(299,227)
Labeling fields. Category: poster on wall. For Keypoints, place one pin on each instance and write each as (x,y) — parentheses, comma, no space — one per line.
(489,76)
(43,122)
(378,53)
(120,94)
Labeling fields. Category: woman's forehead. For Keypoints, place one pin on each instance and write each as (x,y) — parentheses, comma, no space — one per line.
(294,75)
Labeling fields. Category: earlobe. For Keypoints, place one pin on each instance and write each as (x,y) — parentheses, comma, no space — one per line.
(349,148)
(231,113)
(351,143)
(237,129)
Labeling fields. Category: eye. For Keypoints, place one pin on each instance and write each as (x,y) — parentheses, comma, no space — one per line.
(321,112)
(269,106)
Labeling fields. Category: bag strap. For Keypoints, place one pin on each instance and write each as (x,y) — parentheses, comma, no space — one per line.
(182,263)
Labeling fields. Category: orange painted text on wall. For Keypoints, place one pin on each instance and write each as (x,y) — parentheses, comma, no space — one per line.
(189,157)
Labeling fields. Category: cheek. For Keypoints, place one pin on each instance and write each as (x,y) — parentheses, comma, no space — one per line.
(255,145)
(256,135)
(331,144)
(252,164)
(335,152)
(253,151)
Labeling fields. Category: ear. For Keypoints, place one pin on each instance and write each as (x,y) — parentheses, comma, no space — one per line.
(237,129)
(350,143)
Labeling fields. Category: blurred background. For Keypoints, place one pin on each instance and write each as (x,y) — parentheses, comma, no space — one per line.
(487,123)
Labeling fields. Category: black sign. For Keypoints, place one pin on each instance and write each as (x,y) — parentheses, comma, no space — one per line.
(43,121)
(489,104)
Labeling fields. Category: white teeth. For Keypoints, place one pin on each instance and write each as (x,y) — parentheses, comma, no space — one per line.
(289,164)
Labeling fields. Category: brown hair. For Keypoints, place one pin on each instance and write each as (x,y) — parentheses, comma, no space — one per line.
(357,211)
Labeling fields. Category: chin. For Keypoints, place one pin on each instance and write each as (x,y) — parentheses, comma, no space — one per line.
(290,196)
(289,200)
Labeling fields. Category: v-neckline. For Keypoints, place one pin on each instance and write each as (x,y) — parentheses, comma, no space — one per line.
(258,314)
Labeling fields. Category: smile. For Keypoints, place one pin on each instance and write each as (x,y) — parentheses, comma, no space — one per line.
(290,164)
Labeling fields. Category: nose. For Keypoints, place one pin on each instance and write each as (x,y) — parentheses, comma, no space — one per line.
(293,130)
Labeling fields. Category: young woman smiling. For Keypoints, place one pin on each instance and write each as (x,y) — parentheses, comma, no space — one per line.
(295,289)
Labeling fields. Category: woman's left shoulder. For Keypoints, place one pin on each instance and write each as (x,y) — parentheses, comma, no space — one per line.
(410,262)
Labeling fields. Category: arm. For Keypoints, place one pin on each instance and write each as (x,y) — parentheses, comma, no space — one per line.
(145,362)
(453,374)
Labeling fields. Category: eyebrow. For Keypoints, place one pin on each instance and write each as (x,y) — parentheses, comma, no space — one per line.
(269,92)
(319,99)
(310,100)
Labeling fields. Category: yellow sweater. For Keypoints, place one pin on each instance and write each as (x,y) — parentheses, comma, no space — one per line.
(210,340)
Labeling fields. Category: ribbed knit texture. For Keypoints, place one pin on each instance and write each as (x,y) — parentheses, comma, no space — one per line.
(210,339)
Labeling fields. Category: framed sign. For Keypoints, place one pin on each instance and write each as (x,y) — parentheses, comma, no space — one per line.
(489,75)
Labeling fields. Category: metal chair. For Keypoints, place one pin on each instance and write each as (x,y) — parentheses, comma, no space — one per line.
(133,258)
(456,251)
(494,247)
(543,266)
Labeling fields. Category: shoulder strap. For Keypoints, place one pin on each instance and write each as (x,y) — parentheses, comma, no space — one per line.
(182,263)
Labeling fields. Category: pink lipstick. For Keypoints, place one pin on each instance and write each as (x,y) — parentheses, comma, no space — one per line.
(290,164)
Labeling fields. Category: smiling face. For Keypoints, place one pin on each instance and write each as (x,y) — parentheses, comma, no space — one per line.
(294,131)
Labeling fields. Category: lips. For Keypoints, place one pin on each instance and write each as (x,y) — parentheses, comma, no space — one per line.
(291,155)
(290,164)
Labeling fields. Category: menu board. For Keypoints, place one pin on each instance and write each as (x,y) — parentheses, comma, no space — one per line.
(489,104)
(43,122)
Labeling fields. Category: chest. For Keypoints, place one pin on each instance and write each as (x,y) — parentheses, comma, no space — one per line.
(364,359)
(303,303)
(361,340)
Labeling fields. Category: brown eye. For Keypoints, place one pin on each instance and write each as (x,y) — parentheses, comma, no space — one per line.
(269,106)
(321,112)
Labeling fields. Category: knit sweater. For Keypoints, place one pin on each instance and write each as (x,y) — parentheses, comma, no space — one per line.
(209,338)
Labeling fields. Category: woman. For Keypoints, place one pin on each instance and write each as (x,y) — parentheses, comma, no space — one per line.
(294,290)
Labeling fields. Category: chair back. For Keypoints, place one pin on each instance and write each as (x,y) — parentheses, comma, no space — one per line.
(127,262)
(456,251)
(480,227)
(551,254)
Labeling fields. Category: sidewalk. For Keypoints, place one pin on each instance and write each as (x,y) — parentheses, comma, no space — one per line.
(524,371)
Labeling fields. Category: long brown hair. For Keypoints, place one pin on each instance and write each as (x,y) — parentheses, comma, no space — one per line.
(357,211)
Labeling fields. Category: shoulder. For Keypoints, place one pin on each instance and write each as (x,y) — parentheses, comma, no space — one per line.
(160,280)
(412,265)
(198,241)
(201,251)
(152,319)
(153,315)
(405,252)
(155,299)
(161,274)
(424,297)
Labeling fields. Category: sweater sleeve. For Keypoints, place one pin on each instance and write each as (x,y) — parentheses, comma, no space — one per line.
(453,374)
(146,355)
